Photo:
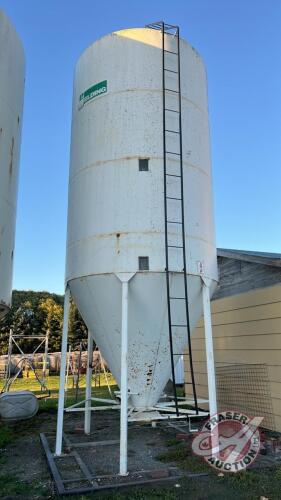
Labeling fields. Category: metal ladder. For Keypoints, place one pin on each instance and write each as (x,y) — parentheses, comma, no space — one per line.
(172,133)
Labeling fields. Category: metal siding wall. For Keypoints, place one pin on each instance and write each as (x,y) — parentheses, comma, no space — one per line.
(246,329)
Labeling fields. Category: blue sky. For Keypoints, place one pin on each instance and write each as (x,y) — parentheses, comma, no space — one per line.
(240,42)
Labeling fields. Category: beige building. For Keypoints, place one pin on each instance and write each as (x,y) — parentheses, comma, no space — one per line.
(246,318)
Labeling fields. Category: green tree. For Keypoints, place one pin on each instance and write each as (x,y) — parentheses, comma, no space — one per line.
(33,313)
(53,318)
(77,329)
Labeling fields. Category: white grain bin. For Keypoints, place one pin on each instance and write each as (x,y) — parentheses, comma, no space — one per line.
(116,210)
(12,70)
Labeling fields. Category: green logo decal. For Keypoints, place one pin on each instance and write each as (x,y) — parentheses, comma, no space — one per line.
(94,91)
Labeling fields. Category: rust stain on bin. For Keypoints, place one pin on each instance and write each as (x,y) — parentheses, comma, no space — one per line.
(11,157)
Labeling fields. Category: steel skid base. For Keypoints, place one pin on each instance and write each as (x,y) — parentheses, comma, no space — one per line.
(87,482)
(72,452)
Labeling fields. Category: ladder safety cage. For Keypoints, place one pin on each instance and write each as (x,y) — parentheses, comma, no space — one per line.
(172,115)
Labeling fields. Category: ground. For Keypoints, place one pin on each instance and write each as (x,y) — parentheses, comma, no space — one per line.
(24,473)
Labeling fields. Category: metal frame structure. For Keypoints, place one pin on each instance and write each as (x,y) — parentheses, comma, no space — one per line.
(160,411)
(94,483)
(26,359)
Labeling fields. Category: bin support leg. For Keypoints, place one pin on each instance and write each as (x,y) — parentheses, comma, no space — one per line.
(88,404)
(62,373)
(209,348)
(124,278)
(124,383)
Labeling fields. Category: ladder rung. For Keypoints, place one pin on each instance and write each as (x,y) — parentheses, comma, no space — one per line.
(161,25)
(171,52)
(174,222)
(172,90)
(174,246)
(172,198)
(172,153)
(172,110)
(171,34)
(183,326)
(173,175)
(168,25)
(172,131)
(177,298)
(171,71)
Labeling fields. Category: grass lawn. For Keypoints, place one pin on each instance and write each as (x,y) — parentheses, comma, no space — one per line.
(50,402)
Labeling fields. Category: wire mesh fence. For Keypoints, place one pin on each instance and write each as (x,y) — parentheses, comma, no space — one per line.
(246,387)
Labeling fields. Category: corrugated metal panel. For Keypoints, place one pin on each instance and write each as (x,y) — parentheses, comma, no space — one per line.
(247,330)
